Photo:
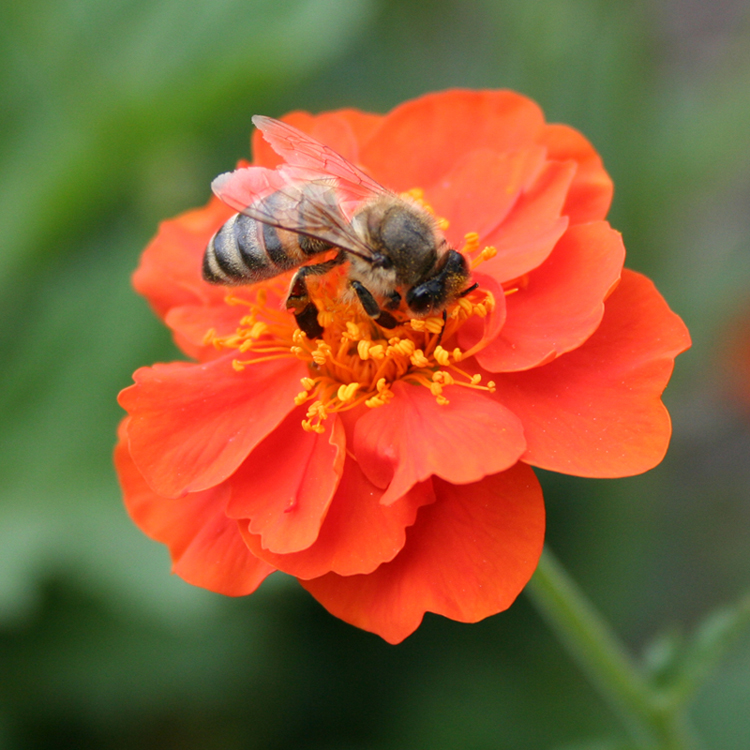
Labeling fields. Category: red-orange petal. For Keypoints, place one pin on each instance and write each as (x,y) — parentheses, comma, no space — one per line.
(414,438)
(562,302)
(467,557)
(358,534)
(169,273)
(480,189)
(597,411)
(530,232)
(192,425)
(477,331)
(421,140)
(286,484)
(191,323)
(590,193)
(206,547)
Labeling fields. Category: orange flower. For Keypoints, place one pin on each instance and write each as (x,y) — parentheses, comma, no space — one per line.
(389,470)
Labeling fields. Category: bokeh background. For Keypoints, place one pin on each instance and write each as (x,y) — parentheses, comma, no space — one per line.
(115,114)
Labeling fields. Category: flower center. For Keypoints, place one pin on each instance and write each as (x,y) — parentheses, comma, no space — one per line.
(355,361)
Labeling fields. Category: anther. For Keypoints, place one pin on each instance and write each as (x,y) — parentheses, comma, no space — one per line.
(353,330)
(441,355)
(363,349)
(434,325)
(418,359)
(487,253)
(405,347)
(346,392)
(258,330)
(321,354)
(443,377)
(465,305)
(471,243)
(326,318)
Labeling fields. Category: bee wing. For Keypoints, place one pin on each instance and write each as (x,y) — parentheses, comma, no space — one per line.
(285,199)
(306,153)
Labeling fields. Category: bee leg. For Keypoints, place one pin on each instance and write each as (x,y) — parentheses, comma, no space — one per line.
(307,320)
(394,300)
(298,299)
(369,303)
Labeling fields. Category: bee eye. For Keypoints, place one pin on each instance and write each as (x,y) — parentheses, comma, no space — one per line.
(421,299)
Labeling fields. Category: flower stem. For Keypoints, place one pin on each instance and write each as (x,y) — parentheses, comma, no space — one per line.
(651,722)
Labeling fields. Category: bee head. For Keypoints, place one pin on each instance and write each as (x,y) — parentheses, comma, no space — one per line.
(447,284)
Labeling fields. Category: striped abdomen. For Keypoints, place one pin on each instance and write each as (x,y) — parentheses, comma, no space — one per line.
(246,250)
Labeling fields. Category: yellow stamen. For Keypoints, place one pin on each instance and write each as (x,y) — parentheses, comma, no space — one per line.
(418,359)
(442,356)
(487,253)
(355,362)
(346,392)
(471,243)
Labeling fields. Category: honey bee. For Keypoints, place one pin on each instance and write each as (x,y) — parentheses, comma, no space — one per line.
(315,202)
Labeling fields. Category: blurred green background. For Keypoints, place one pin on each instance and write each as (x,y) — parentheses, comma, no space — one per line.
(116,114)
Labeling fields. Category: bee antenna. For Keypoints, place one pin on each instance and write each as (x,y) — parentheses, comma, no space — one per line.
(469,289)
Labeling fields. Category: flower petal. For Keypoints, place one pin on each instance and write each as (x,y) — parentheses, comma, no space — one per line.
(191,323)
(531,231)
(413,438)
(206,547)
(481,188)
(590,193)
(421,140)
(476,331)
(169,273)
(467,557)
(286,484)
(596,411)
(358,534)
(193,425)
(562,303)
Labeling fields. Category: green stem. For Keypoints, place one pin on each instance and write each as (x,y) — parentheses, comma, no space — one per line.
(600,654)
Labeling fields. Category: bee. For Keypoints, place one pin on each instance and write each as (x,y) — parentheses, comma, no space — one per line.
(316,202)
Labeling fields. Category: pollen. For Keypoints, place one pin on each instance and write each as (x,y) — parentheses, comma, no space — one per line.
(355,362)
